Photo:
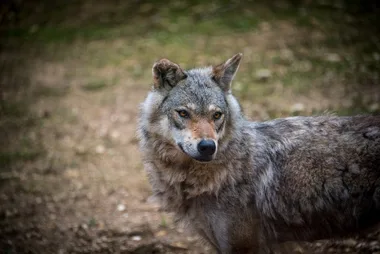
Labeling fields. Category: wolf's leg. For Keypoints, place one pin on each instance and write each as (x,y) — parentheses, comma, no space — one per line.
(265,249)
(265,245)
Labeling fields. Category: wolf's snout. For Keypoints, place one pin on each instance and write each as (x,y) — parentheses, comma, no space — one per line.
(206,147)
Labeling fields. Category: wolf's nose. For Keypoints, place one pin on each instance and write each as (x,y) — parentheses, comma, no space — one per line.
(206,147)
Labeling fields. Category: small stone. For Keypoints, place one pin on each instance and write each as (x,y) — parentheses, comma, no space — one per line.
(136,238)
(298,107)
(374,107)
(263,74)
(38,200)
(350,242)
(121,207)
(100,149)
(161,233)
(8,213)
(361,245)
(71,173)
(331,250)
(333,58)
(191,239)
(179,245)
(298,249)
(287,54)
(80,149)
(115,134)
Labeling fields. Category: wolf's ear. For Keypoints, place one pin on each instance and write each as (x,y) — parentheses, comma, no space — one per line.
(166,74)
(224,73)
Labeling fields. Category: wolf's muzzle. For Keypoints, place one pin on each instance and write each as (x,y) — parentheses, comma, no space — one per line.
(206,147)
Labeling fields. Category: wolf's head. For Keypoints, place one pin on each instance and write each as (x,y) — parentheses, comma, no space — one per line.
(189,110)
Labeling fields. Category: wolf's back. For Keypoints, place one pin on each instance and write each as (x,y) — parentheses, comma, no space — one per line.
(326,177)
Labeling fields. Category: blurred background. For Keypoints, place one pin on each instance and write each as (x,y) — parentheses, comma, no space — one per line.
(72,75)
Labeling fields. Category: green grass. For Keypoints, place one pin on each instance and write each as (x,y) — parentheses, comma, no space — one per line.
(64,34)
(16,124)
(180,25)
(95,85)
(8,158)
(165,24)
(12,109)
(46,91)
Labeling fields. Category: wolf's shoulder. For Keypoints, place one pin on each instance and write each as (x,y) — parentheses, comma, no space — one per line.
(324,125)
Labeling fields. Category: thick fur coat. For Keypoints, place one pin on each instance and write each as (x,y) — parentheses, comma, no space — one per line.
(250,184)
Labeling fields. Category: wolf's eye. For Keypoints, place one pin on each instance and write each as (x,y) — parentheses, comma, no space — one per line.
(217,115)
(183,113)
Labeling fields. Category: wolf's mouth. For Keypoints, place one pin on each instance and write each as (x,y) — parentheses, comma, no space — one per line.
(200,158)
(203,158)
(180,146)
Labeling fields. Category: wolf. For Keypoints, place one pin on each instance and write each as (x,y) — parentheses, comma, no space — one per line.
(245,186)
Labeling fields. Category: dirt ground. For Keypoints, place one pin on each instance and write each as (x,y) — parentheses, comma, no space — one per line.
(71,178)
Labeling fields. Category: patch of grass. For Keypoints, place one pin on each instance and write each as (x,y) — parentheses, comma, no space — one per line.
(17,123)
(359,106)
(168,23)
(163,223)
(92,222)
(15,116)
(299,81)
(43,186)
(95,85)
(48,35)
(12,109)
(8,158)
(46,91)
(351,111)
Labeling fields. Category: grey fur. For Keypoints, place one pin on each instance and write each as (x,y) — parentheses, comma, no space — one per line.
(297,178)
